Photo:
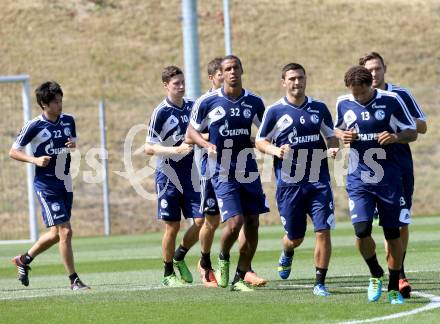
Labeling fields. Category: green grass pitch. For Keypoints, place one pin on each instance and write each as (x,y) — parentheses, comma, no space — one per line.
(125,274)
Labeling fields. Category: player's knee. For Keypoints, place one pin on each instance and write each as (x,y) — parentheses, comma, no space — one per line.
(172,228)
(198,222)
(65,233)
(292,242)
(391,233)
(363,229)
(212,222)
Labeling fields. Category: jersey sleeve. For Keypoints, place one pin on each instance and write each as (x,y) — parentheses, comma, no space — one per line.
(339,119)
(413,108)
(267,128)
(401,118)
(199,115)
(259,113)
(26,135)
(154,128)
(327,123)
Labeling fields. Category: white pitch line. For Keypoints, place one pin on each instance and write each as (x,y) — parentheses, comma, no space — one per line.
(66,292)
(434,302)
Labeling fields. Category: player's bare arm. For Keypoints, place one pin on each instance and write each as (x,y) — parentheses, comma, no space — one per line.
(265,146)
(404,137)
(192,135)
(346,136)
(332,146)
(188,138)
(158,149)
(21,156)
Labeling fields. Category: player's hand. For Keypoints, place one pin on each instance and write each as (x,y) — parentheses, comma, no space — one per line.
(70,143)
(349,136)
(212,150)
(42,161)
(332,152)
(184,148)
(283,151)
(386,138)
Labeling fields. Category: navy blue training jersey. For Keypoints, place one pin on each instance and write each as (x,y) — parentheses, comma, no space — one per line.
(386,111)
(229,123)
(303,128)
(403,151)
(168,126)
(49,139)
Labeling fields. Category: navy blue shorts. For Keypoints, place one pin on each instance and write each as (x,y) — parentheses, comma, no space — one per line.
(236,198)
(208,200)
(56,206)
(171,203)
(364,199)
(296,201)
(406,199)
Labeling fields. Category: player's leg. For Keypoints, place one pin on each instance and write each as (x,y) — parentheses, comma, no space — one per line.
(251,276)
(190,238)
(169,211)
(248,247)
(404,286)
(321,210)
(254,203)
(228,199)
(211,211)
(390,214)
(362,204)
(189,203)
(229,235)
(322,259)
(293,218)
(46,241)
(22,262)
(206,239)
(66,252)
(405,220)
(171,228)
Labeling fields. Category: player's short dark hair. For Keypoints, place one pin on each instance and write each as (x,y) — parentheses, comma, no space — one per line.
(371,56)
(291,66)
(214,65)
(46,92)
(233,57)
(169,72)
(358,76)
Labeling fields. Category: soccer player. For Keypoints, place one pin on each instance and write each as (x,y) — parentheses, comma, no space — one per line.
(375,64)
(51,135)
(209,204)
(175,191)
(228,114)
(372,121)
(293,131)
(208,201)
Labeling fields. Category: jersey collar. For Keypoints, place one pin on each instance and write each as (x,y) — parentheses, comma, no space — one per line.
(43,118)
(377,94)
(170,104)
(221,93)
(286,102)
